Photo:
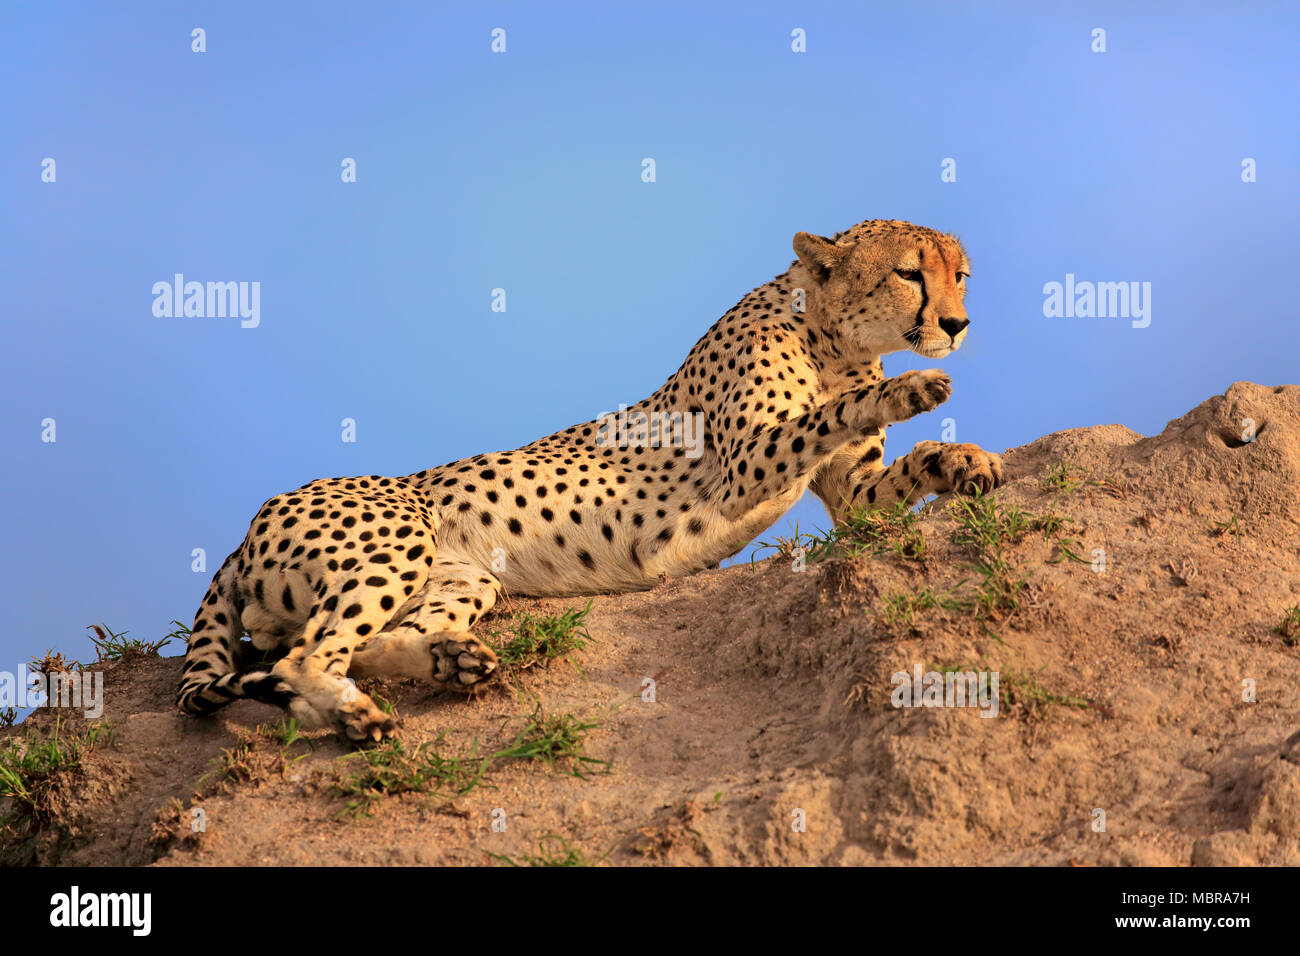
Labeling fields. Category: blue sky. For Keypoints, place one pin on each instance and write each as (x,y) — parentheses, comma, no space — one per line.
(522,171)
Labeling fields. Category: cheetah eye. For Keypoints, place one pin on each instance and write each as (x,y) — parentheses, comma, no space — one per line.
(961,276)
(911,275)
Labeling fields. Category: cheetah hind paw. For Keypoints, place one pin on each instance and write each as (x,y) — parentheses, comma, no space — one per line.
(356,715)
(363,720)
(461,661)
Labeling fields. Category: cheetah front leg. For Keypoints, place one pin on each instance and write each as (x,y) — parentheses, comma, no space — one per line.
(858,478)
(769,462)
(428,639)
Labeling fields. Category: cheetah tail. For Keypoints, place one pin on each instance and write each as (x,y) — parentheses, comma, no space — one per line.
(210,677)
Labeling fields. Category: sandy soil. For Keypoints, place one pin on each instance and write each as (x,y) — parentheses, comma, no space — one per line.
(1123,695)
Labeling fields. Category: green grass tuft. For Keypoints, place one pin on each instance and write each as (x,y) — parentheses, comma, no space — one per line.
(989,527)
(1065,477)
(901,607)
(1219,528)
(110,646)
(1022,690)
(864,531)
(389,768)
(533,639)
(554,740)
(1289,628)
(31,768)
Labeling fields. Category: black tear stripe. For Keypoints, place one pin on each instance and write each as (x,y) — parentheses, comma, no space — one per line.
(925,300)
(925,296)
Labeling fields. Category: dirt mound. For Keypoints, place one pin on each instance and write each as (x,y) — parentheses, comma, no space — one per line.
(1131,596)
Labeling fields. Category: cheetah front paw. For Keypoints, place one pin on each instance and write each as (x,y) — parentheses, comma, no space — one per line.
(461,662)
(915,392)
(969,469)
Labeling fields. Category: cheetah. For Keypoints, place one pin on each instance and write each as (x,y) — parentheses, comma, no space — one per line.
(386,576)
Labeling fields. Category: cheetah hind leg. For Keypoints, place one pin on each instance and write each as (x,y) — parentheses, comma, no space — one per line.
(428,638)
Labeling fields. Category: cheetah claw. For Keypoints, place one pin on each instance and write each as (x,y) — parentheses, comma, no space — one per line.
(462,662)
(363,721)
(978,472)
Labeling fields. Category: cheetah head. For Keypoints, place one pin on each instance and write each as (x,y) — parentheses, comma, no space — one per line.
(884,286)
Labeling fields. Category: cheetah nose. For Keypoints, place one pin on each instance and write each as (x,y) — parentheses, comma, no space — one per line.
(953,326)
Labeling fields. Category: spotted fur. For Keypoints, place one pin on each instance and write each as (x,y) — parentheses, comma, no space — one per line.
(385,576)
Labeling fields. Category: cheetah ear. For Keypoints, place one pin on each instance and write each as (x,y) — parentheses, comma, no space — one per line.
(819,254)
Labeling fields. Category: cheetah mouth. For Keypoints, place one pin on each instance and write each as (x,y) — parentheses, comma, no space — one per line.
(933,351)
(927,347)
